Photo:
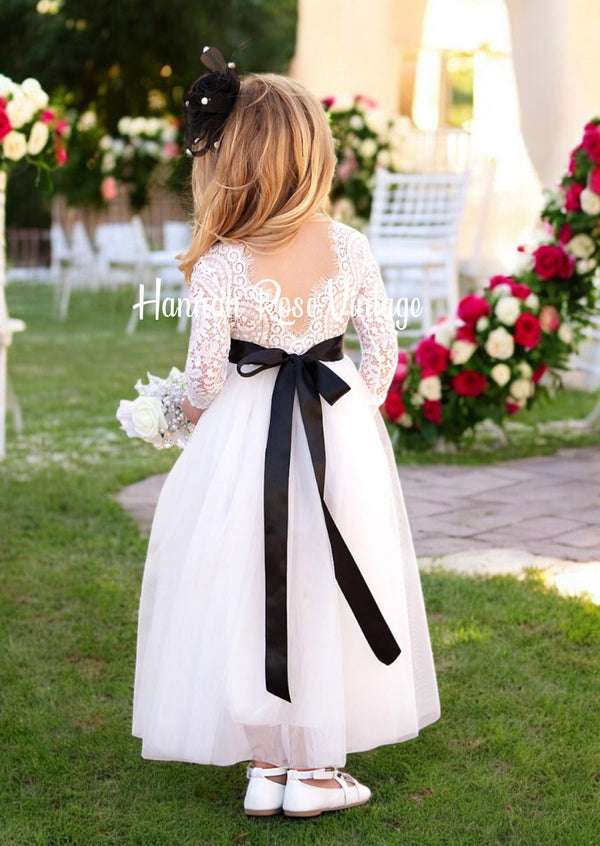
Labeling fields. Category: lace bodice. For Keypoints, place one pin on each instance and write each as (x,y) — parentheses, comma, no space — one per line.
(228,303)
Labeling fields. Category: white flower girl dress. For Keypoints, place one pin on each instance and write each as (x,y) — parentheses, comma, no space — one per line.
(234,662)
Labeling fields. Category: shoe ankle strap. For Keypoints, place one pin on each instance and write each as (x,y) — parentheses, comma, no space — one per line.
(322,773)
(266,772)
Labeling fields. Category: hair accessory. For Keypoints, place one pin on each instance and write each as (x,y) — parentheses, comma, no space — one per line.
(209,102)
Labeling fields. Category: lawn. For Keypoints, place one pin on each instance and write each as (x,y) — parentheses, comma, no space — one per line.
(514,760)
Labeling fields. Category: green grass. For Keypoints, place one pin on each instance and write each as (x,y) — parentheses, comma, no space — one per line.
(514,760)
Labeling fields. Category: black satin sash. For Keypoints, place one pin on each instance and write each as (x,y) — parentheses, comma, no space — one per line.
(307,376)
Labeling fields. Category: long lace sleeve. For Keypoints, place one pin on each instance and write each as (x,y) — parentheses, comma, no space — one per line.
(374,323)
(208,350)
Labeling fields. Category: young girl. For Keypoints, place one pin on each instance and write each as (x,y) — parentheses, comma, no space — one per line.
(281,617)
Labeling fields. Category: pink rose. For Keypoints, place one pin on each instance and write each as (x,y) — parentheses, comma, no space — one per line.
(472,307)
(552,262)
(538,373)
(346,168)
(432,357)
(61,127)
(594,180)
(393,406)
(591,142)
(108,189)
(572,195)
(402,367)
(432,410)
(5,126)
(61,156)
(549,319)
(527,331)
(573,159)
(565,233)
(512,407)
(328,102)
(520,290)
(469,383)
(47,116)
(466,333)
(366,101)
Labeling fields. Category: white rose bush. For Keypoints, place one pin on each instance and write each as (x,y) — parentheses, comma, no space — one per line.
(156,415)
(30,131)
(365,137)
(134,155)
(506,346)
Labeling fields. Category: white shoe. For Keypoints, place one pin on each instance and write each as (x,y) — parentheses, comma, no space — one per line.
(264,797)
(305,800)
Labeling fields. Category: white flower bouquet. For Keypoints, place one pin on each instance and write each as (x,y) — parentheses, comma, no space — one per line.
(156,415)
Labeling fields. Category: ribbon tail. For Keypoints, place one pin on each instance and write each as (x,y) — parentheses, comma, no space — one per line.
(276,482)
(358,596)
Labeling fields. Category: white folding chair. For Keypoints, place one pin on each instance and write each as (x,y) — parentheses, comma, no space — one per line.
(162,264)
(413,232)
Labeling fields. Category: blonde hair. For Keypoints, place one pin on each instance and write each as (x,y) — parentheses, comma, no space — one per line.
(271,172)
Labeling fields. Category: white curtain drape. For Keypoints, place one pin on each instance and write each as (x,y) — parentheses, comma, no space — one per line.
(555,53)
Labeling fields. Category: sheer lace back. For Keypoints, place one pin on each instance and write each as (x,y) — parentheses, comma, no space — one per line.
(229,302)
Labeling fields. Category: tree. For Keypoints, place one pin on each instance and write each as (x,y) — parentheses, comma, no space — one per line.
(138,56)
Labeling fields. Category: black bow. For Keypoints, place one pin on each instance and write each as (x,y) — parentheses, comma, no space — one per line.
(307,376)
(209,102)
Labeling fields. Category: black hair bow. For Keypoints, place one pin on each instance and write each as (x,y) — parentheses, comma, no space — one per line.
(209,102)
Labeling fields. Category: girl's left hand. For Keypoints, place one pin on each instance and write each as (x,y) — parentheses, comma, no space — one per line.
(192,413)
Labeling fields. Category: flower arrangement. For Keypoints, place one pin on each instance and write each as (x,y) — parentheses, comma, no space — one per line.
(156,415)
(29,130)
(488,361)
(133,156)
(365,137)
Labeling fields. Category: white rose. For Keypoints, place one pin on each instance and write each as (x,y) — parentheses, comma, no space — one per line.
(500,343)
(147,417)
(368,148)
(444,332)
(105,142)
(356,122)
(32,89)
(109,163)
(507,310)
(525,369)
(14,146)
(532,302)
(581,246)
(521,389)
(7,86)
(124,417)
(38,138)
(590,201)
(430,388)
(399,161)
(152,148)
(377,121)
(384,159)
(502,290)
(565,333)
(417,400)
(500,373)
(87,120)
(19,110)
(585,265)
(482,324)
(152,126)
(124,126)
(343,103)
(405,420)
(461,351)
(343,209)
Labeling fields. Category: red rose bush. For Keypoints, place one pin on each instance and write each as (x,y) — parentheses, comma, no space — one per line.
(499,352)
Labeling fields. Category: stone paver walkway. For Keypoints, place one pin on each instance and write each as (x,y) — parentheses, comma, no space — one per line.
(541,512)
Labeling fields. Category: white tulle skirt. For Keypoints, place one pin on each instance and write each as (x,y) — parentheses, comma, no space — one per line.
(200,682)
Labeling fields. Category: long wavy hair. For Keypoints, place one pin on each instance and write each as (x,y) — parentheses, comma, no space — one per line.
(271,171)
